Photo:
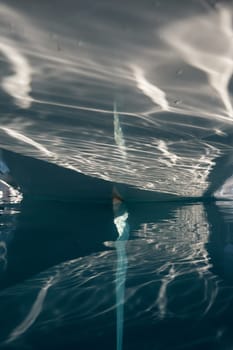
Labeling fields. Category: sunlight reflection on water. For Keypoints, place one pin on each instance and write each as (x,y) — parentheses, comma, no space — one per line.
(163,273)
(172,90)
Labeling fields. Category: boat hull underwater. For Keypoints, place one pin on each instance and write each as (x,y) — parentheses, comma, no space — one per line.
(127,97)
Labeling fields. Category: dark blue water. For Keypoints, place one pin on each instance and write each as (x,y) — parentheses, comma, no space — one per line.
(128,276)
(115,120)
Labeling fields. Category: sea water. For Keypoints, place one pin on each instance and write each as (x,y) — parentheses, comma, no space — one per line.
(116,174)
(136,276)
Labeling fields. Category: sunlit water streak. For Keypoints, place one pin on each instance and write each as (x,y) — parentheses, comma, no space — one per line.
(121,222)
(122,226)
(17,85)
(215,61)
(118,134)
(33,313)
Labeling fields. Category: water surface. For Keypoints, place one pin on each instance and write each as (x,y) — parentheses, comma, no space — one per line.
(142,276)
(108,108)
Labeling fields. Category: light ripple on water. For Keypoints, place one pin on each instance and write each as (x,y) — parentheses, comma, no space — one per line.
(169,265)
(174,85)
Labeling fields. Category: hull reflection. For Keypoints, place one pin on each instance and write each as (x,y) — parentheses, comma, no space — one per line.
(162,276)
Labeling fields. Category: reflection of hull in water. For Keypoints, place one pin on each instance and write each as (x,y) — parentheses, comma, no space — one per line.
(81,296)
(168,283)
(10,199)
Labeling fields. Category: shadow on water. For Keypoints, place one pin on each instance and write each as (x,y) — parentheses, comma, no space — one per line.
(49,232)
(118,278)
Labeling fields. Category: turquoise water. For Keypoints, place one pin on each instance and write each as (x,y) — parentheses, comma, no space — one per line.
(116,184)
(136,276)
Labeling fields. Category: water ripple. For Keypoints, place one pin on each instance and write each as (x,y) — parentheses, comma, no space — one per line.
(170,83)
(162,273)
